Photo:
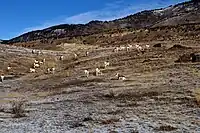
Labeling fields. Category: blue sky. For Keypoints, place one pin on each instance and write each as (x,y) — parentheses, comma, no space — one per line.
(20,16)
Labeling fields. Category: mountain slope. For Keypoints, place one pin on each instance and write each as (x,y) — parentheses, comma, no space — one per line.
(183,13)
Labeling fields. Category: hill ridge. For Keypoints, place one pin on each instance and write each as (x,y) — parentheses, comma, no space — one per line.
(181,13)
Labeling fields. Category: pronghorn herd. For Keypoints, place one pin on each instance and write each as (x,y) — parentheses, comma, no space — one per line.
(51,70)
(127,48)
(98,72)
(38,63)
(36,52)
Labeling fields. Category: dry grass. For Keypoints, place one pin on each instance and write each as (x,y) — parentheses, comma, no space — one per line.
(19,65)
(41,94)
(110,121)
(50,64)
(197,95)
(56,48)
(195,72)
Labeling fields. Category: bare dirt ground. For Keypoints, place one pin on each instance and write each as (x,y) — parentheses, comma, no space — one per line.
(158,95)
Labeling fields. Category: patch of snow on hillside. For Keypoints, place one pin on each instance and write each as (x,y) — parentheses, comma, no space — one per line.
(161,11)
(189,9)
(158,12)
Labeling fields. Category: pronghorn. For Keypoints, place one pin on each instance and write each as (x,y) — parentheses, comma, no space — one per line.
(86,73)
(61,57)
(75,56)
(98,72)
(2,77)
(32,70)
(44,60)
(36,61)
(9,68)
(116,49)
(120,77)
(147,46)
(86,53)
(106,64)
(36,65)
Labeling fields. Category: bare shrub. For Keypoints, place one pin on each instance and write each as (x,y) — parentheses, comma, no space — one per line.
(110,94)
(18,108)
(184,58)
(166,128)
